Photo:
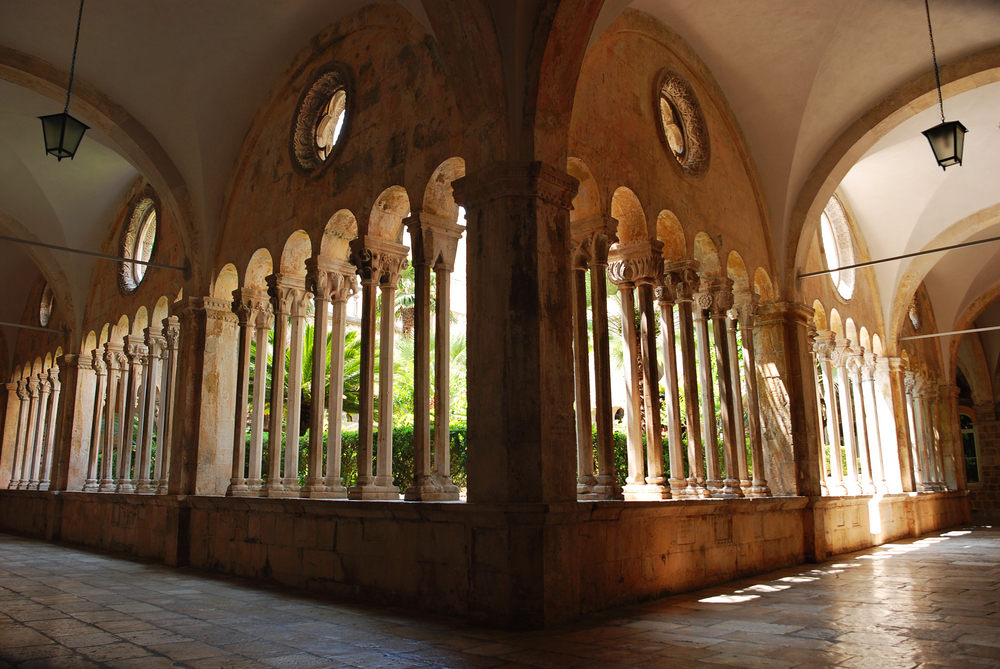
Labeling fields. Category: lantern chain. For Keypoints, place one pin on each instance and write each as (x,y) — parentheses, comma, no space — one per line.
(937,75)
(72,67)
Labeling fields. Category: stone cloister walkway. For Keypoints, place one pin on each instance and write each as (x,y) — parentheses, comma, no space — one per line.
(930,602)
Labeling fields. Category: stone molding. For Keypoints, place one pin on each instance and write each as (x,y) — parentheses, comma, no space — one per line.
(516,179)
(330,279)
(715,295)
(435,239)
(214,308)
(379,261)
(638,263)
(592,239)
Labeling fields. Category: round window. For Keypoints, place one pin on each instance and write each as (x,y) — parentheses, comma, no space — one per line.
(837,246)
(683,129)
(321,120)
(138,242)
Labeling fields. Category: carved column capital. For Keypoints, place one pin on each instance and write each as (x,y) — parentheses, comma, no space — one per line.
(135,349)
(53,377)
(288,294)
(247,302)
(43,383)
(379,261)
(599,232)
(435,239)
(171,331)
(747,306)
(638,263)
(97,362)
(22,390)
(330,279)
(516,179)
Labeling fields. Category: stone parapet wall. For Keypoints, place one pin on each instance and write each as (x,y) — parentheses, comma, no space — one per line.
(512,565)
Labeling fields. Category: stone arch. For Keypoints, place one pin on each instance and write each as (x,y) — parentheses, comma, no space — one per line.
(18,375)
(819,315)
(877,348)
(36,367)
(297,250)
(47,363)
(259,267)
(836,323)
(626,208)
(670,231)
(707,254)
(340,230)
(736,270)
(226,281)
(762,285)
(851,331)
(89,342)
(160,311)
(588,200)
(105,335)
(120,329)
(140,322)
(972,71)
(865,339)
(388,212)
(439,198)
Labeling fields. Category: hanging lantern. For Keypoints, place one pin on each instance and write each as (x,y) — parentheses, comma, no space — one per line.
(63,135)
(62,132)
(947,139)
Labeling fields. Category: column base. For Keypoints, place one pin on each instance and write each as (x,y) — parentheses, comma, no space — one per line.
(107,485)
(291,485)
(641,492)
(145,487)
(837,489)
(854,489)
(432,489)
(373,491)
(759,489)
(731,489)
(320,490)
(90,485)
(125,488)
(714,487)
(695,489)
(237,490)
(607,488)
(277,490)
(745,485)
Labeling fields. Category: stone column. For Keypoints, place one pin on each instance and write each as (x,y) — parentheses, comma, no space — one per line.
(521,427)
(29,467)
(747,308)
(74,423)
(100,397)
(787,394)
(665,296)
(867,366)
(114,358)
(914,436)
(702,303)
(722,302)
(640,264)
(816,346)
(957,451)
(171,333)
(385,260)
(20,434)
(894,424)
(202,430)
(826,356)
(855,363)
(52,423)
(135,352)
(688,284)
(11,442)
(145,476)
(842,355)
(247,305)
(282,296)
(330,281)
(934,432)
(586,481)
(370,274)
(435,245)
(262,324)
(736,388)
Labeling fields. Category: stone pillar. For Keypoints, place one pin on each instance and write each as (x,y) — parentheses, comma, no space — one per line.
(262,324)
(789,413)
(815,347)
(640,264)
(893,424)
(435,245)
(602,231)
(135,352)
(370,274)
(100,397)
(855,363)
(202,430)
(874,437)
(171,333)
(722,302)
(145,476)
(586,481)
(934,430)
(825,354)
(114,359)
(331,281)
(283,294)
(842,355)
(736,390)
(21,442)
(375,257)
(51,423)
(29,466)
(74,424)
(956,454)
(521,427)
(703,302)
(665,296)
(747,308)
(247,305)
(915,435)
(11,441)
(688,283)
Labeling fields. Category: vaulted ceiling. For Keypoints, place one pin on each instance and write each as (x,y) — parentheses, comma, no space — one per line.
(798,75)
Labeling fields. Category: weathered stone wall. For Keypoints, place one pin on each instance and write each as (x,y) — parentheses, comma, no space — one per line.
(984,497)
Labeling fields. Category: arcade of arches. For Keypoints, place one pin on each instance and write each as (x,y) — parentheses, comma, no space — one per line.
(656,401)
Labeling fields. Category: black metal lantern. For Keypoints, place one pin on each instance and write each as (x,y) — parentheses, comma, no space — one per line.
(63,134)
(947,141)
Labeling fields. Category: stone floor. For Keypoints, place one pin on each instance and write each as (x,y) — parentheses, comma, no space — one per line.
(922,603)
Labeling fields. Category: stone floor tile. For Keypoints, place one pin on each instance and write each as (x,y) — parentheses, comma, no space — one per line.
(113,651)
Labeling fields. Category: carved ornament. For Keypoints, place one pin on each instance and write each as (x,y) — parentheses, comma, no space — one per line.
(329,82)
(504,180)
(682,125)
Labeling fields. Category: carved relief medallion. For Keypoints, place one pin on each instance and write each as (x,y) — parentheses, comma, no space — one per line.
(683,130)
